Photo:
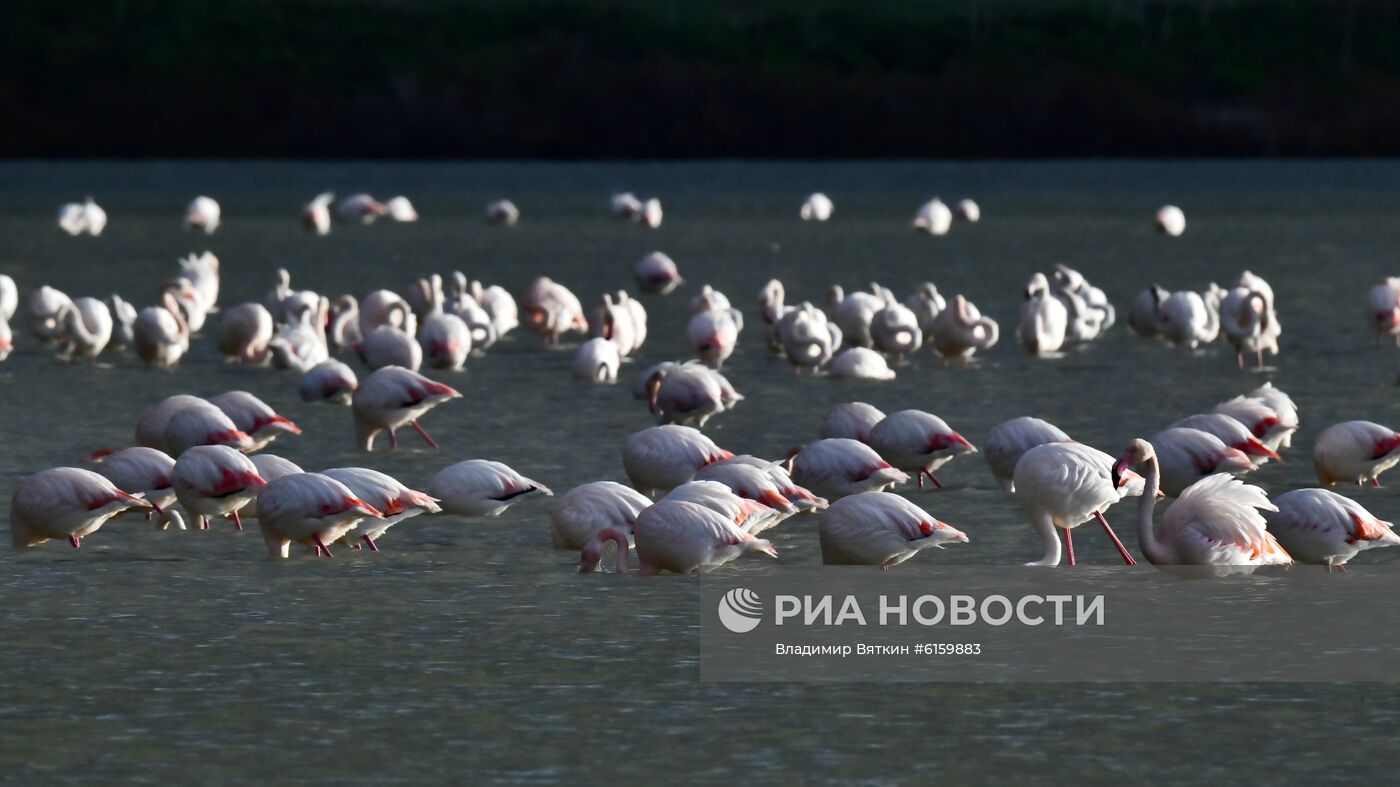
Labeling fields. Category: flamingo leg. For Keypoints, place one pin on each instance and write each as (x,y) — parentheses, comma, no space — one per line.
(321,547)
(393,440)
(203,522)
(1127,558)
(1069,546)
(1258,359)
(920,478)
(1376,482)
(75,542)
(1341,568)
(1239,358)
(424,433)
(237,522)
(936,485)
(370,542)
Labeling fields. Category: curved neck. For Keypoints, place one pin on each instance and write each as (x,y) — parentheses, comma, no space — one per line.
(74,320)
(1147,537)
(173,306)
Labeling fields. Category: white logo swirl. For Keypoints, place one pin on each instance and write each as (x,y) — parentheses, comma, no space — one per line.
(740,610)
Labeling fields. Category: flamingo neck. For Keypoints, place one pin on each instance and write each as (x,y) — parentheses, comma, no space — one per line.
(1147,537)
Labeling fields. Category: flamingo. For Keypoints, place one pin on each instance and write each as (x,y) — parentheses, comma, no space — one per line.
(689,394)
(394,501)
(1355,452)
(46,308)
(751,483)
(1267,412)
(123,322)
(477,319)
(1008,441)
(852,420)
(1320,526)
(6,340)
(77,218)
(1088,309)
(651,213)
(551,310)
(714,335)
(968,211)
(386,308)
(254,417)
(918,443)
(858,363)
(215,480)
(770,301)
(660,458)
(680,537)
(1232,433)
(64,502)
(1044,318)
(302,344)
(9,298)
(817,207)
(837,467)
(500,305)
(329,381)
(391,397)
(854,313)
(596,360)
(244,333)
(933,218)
(201,423)
(360,208)
(895,330)
(389,346)
(721,499)
(1145,314)
(202,214)
(960,330)
(1214,523)
(880,529)
(1170,220)
(88,328)
(146,472)
(1188,455)
(445,338)
(615,320)
(401,209)
(808,337)
(1188,319)
(586,510)
(502,212)
(202,272)
(1064,485)
(1247,319)
(161,334)
(316,214)
(308,508)
(625,205)
(150,426)
(801,498)
(926,303)
(271,467)
(1383,308)
(480,487)
(657,273)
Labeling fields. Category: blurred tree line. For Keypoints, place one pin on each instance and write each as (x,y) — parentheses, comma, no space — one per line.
(698,78)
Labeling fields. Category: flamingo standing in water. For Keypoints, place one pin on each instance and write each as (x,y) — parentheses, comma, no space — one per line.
(1145,313)
(1188,455)
(146,472)
(1355,452)
(254,417)
(1248,320)
(308,508)
(596,360)
(838,467)
(807,337)
(271,468)
(752,483)
(244,333)
(551,310)
(391,397)
(316,214)
(960,330)
(480,487)
(661,458)
(1320,526)
(860,363)
(215,480)
(933,218)
(586,510)
(657,273)
(852,420)
(161,333)
(1064,485)
(1383,308)
(1170,220)
(203,214)
(714,333)
(918,443)
(88,324)
(817,207)
(64,502)
(1008,441)
(394,501)
(201,423)
(677,536)
(329,381)
(880,529)
(360,208)
(502,212)
(1216,522)
(1044,319)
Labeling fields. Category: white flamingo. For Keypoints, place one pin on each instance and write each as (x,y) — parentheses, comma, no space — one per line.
(1320,526)
(308,508)
(880,529)
(254,417)
(64,502)
(1355,452)
(244,333)
(586,510)
(215,480)
(394,501)
(146,472)
(917,443)
(316,214)
(329,381)
(1064,485)
(202,214)
(1044,319)
(1008,441)
(480,487)
(817,207)
(657,273)
(660,458)
(1188,455)
(1170,220)
(838,467)
(960,330)
(1383,308)
(596,360)
(852,420)
(391,397)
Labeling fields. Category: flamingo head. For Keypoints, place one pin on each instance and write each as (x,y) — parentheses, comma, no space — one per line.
(1139,451)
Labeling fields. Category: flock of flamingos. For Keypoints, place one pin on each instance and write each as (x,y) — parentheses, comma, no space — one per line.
(692,506)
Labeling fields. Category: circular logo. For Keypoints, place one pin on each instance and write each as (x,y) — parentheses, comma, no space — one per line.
(740,610)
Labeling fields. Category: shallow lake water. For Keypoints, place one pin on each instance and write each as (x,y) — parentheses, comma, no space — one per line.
(469,650)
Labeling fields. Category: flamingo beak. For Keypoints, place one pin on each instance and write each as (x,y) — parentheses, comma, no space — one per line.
(137,498)
(356,504)
(1119,469)
(1253,447)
